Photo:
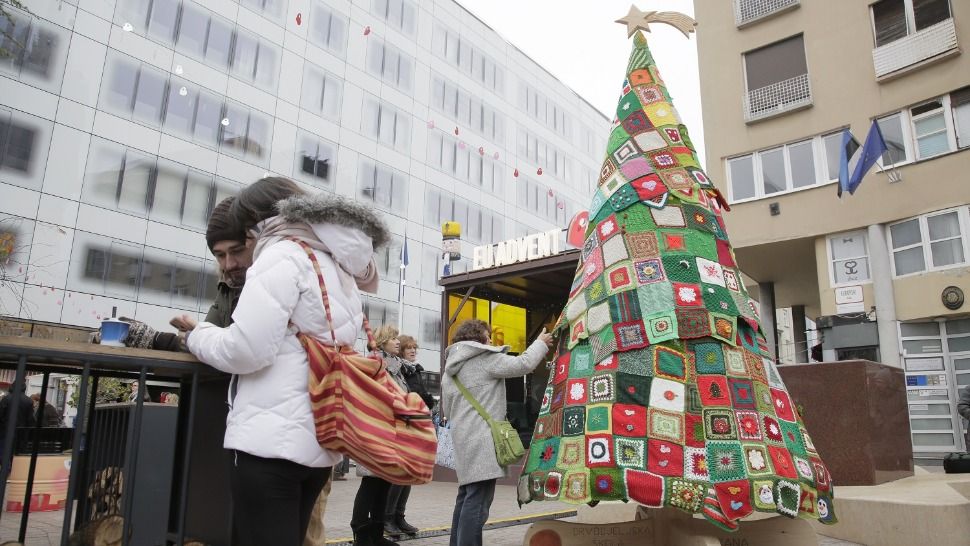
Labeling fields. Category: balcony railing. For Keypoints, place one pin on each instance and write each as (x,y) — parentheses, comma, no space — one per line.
(924,44)
(748,11)
(778,98)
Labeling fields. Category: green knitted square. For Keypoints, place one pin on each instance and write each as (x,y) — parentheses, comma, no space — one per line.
(636,362)
(708,358)
(623,198)
(693,398)
(596,291)
(627,105)
(624,307)
(618,137)
(581,361)
(718,299)
(633,389)
(598,418)
(699,218)
(793,439)
(637,218)
(684,494)
(607,484)
(725,461)
(681,268)
(702,244)
(573,421)
(656,297)
(543,454)
(603,344)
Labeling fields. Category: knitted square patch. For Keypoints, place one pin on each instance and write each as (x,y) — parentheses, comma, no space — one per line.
(624,307)
(581,362)
(725,461)
(623,197)
(687,295)
(629,420)
(606,171)
(650,189)
(719,424)
(548,426)
(672,241)
(573,421)
(755,366)
(695,464)
(669,216)
(625,152)
(792,435)
(591,243)
(783,405)
(630,335)
(632,389)
(649,271)
(646,488)
(607,365)
(552,486)
(614,250)
(630,452)
(599,450)
(536,483)
(598,316)
(577,332)
(700,219)
(619,278)
(661,327)
(663,159)
(734,362)
(710,272)
(742,393)
(782,461)
(756,459)
(677,179)
(649,141)
(593,266)
(667,425)
(649,94)
(637,219)
(602,388)
(668,363)
(808,503)
(749,424)
(661,113)
(598,418)
(636,123)
(665,458)
(708,358)
(764,496)
(725,255)
(822,479)
(680,268)
(607,484)
(636,362)
(547,453)
(666,394)
(735,498)
(772,430)
(618,136)
(713,390)
(787,497)
(688,496)
(718,299)
(693,323)
(637,167)
(576,489)
(804,469)
(558,397)
(643,245)
(724,327)
(577,392)
(701,244)
(656,297)
(731,280)
(595,291)
(572,453)
(546,401)
(561,370)
(807,442)
(774,378)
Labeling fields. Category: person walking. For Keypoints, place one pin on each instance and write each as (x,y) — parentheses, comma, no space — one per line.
(368,521)
(482,368)
(279,469)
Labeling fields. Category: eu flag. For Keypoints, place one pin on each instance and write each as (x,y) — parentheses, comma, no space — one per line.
(872,150)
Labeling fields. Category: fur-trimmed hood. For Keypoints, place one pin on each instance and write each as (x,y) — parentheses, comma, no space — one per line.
(331,209)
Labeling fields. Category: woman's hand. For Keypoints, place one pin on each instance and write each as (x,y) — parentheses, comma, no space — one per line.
(184,323)
(546,338)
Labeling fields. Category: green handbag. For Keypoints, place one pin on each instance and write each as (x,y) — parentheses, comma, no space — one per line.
(508,445)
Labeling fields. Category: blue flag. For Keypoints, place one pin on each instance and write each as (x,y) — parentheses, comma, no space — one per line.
(849,147)
(872,150)
(404,264)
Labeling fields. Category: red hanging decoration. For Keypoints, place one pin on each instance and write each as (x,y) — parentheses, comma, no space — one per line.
(551,193)
(366,30)
(560,205)
(481,150)
(461,145)
(515,173)
(539,171)
(299,19)
(495,155)
(456,131)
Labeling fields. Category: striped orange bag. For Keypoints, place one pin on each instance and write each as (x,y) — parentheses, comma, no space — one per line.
(360,411)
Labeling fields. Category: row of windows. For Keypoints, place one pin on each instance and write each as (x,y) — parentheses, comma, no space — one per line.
(544,110)
(125,179)
(929,129)
(478,225)
(386,124)
(467,109)
(399,14)
(428,334)
(109,267)
(542,201)
(552,160)
(328,28)
(935,241)
(205,36)
(273,9)
(460,53)
(382,185)
(391,65)
(35,50)
(454,157)
(143,93)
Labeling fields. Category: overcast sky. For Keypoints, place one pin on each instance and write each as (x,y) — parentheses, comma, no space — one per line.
(578,42)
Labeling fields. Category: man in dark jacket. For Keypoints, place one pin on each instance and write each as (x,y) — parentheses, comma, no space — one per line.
(25,415)
(963,408)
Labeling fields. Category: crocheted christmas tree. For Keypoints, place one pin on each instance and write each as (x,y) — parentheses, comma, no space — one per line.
(663,391)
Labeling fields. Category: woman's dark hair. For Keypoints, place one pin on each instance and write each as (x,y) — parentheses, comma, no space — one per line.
(407,342)
(472,330)
(257,202)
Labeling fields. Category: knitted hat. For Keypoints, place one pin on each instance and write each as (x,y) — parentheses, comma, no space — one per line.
(221,225)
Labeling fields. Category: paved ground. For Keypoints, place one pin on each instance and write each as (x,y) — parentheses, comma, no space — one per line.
(429,507)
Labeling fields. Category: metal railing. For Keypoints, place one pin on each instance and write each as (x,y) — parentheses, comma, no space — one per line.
(919,46)
(748,11)
(777,98)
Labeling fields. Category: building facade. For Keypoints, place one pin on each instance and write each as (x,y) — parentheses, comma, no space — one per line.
(781,80)
(123,122)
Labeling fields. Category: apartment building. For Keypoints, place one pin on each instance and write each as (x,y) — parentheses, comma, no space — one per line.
(882,271)
(123,122)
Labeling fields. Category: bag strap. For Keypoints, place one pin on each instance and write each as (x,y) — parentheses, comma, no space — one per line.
(471,400)
(326,298)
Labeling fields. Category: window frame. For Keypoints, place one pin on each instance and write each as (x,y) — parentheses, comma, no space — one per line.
(819,161)
(963,218)
(833,283)
(909,13)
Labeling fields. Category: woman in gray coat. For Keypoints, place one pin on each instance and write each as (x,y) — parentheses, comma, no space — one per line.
(482,368)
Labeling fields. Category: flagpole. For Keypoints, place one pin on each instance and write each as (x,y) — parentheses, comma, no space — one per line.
(400,293)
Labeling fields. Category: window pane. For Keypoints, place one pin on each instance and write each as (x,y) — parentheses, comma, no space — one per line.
(217,47)
(17,147)
(961,119)
(935,143)
(258,136)
(961,326)
(192,31)
(181,108)
(195,210)
(889,20)
(208,119)
(942,226)
(742,178)
(833,154)
(909,261)
(39,51)
(773,171)
(244,56)
(930,12)
(123,271)
(102,172)
(958,344)
(947,252)
(852,270)
(892,132)
(923,346)
(850,245)
(120,91)
(133,195)
(162,23)
(801,156)
(150,96)
(775,63)
(919,329)
(169,187)
(234,132)
(905,233)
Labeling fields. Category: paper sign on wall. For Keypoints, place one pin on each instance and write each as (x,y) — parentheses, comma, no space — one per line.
(849,299)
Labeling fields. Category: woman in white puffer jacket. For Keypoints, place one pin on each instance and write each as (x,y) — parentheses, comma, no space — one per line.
(279,468)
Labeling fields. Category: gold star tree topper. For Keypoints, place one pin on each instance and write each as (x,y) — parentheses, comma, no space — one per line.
(640,20)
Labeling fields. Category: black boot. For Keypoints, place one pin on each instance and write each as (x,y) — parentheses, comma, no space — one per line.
(376,533)
(362,534)
(406,527)
(391,529)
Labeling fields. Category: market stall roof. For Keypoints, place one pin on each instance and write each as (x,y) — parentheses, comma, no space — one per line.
(539,283)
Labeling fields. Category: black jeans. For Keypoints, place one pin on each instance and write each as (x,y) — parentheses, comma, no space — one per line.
(397,502)
(471,513)
(370,502)
(272,499)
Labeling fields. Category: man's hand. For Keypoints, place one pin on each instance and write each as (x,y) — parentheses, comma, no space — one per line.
(184,323)
(546,338)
